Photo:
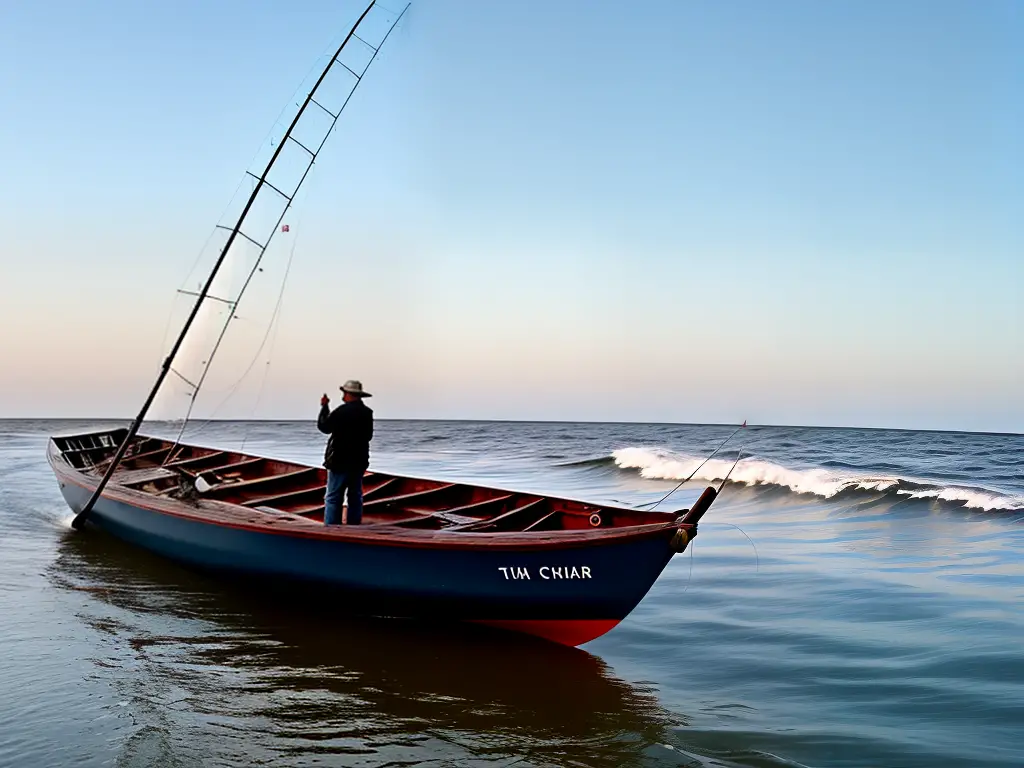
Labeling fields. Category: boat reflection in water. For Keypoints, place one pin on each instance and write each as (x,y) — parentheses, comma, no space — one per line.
(221,674)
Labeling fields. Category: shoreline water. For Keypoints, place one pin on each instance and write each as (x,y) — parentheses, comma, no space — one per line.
(863,628)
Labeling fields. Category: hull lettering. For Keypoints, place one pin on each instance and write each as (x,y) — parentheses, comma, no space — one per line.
(514,572)
(549,572)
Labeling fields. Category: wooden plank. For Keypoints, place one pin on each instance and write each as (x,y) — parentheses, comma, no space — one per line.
(540,520)
(368,493)
(282,496)
(231,465)
(476,505)
(197,459)
(133,477)
(405,496)
(309,509)
(130,457)
(492,520)
(260,480)
(147,454)
(278,515)
(443,516)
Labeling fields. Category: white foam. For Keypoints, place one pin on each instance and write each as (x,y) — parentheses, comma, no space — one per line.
(659,464)
(973,498)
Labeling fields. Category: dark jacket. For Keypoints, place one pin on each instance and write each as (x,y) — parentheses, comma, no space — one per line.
(350,427)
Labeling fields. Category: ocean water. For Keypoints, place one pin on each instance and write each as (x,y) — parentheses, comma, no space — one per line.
(854,598)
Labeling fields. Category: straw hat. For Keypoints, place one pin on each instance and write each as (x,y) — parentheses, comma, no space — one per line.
(354,387)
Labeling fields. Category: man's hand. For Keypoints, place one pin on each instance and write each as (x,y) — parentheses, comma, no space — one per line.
(325,400)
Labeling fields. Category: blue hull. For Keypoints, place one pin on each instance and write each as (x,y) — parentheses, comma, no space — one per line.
(568,594)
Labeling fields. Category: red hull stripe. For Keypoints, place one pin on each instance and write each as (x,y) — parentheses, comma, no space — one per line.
(567,632)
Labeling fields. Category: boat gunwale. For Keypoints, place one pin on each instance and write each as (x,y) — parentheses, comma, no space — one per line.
(453,481)
(370,534)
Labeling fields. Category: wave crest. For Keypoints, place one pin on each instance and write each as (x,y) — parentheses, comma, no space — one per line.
(659,464)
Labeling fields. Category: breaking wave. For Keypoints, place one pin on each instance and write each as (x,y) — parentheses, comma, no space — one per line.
(658,464)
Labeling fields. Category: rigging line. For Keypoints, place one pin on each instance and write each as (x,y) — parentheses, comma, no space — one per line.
(359,78)
(695,471)
(276,318)
(272,325)
(213,231)
(739,455)
(234,387)
(268,137)
(276,324)
(227,206)
(368,45)
(191,270)
(245,285)
(231,316)
(309,170)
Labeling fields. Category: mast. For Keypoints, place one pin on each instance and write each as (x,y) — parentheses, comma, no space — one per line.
(262,184)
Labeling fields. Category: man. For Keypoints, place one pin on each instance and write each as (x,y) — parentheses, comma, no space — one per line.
(350,427)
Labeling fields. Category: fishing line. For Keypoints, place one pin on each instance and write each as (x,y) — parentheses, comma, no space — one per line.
(690,577)
(269,136)
(757,558)
(276,325)
(739,455)
(273,325)
(691,475)
(208,363)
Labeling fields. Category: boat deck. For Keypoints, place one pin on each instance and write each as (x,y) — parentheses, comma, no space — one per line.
(264,491)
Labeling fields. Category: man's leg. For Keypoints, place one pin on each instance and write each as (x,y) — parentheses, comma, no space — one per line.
(332,499)
(355,497)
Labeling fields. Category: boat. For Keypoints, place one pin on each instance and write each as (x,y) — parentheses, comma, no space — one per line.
(561,569)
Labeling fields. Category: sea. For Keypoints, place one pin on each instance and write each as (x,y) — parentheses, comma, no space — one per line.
(854,598)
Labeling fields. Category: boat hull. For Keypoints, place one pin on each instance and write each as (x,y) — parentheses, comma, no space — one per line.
(569,595)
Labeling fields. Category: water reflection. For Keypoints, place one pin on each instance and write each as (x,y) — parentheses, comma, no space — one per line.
(221,675)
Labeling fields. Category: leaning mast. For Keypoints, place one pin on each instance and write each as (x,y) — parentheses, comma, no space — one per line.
(263,186)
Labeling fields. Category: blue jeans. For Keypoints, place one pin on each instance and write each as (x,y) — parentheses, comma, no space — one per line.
(337,484)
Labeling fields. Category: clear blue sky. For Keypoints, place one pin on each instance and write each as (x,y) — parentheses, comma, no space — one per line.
(791,212)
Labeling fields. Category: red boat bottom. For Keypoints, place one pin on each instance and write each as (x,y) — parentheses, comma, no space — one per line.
(567,632)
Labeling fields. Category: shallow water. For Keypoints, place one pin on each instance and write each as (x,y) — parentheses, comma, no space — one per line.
(877,622)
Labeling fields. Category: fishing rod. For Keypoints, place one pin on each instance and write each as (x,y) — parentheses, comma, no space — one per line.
(695,471)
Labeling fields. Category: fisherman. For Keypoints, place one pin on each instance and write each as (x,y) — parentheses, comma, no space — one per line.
(350,427)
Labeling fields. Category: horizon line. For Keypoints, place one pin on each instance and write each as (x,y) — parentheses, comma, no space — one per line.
(535,421)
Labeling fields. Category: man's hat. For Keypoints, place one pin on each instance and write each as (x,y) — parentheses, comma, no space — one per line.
(354,387)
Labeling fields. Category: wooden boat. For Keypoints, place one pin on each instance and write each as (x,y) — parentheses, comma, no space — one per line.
(557,568)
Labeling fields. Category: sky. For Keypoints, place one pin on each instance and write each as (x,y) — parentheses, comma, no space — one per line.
(790,212)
